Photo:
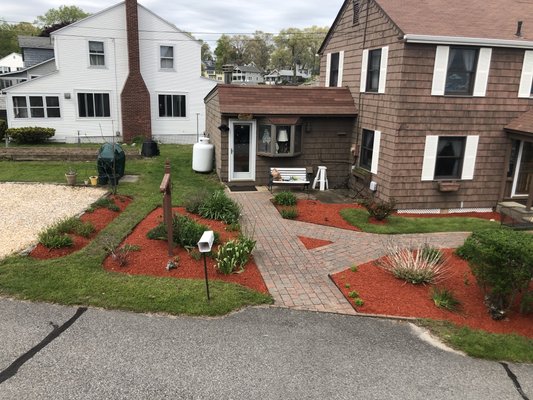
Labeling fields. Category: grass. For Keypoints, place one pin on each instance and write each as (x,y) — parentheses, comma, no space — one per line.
(79,279)
(480,344)
(398,225)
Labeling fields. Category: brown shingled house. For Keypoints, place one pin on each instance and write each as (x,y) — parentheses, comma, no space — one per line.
(443,92)
(254,128)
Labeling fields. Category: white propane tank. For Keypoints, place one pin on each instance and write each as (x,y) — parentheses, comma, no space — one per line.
(202,156)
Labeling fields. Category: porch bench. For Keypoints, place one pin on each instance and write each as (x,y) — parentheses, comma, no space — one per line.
(290,176)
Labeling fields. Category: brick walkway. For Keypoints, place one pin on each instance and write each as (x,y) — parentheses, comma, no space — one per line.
(298,278)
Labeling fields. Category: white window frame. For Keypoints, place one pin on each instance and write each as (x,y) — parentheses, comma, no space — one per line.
(526,79)
(341,68)
(96,54)
(382,70)
(78,117)
(430,158)
(440,71)
(186,95)
(375,150)
(29,107)
(173,68)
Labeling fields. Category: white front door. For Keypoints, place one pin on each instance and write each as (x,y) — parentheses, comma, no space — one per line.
(524,170)
(241,150)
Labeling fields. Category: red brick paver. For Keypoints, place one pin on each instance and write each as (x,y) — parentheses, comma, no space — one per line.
(298,278)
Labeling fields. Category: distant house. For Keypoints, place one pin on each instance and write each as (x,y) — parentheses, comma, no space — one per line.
(35,49)
(247,74)
(122,72)
(11,62)
(282,76)
(444,94)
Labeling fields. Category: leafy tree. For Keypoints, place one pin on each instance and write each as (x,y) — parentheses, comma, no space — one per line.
(258,49)
(61,15)
(207,55)
(9,34)
(224,52)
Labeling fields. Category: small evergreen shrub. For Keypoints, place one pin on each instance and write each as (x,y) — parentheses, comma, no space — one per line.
(3,128)
(379,209)
(502,262)
(220,207)
(444,298)
(358,302)
(193,201)
(289,213)
(285,199)
(30,135)
(234,254)
(53,240)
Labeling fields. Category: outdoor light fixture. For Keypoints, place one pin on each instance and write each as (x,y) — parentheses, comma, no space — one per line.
(204,246)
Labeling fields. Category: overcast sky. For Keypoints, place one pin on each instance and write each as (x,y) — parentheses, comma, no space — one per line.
(202,17)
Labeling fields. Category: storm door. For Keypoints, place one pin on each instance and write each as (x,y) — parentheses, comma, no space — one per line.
(242,150)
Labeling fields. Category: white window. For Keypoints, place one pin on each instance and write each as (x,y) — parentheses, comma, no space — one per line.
(526,80)
(374,70)
(93,105)
(36,107)
(461,71)
(167,57)
(449,157)
(369,157)
(172,105)
(334,69)
(96,54)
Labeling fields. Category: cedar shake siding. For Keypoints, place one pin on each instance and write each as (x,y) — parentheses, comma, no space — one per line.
(135,97)
(327,117)
(406,113)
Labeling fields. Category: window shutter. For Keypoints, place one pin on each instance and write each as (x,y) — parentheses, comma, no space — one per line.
(469,161)
(328,68)
(375,152)
(383,69)
(364,66)
(527,75)
(439,71)
(341,65)
(430,157)
(482,73)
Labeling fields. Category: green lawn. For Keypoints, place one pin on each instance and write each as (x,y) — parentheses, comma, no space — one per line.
(79,278)
(481,344)
(397,225)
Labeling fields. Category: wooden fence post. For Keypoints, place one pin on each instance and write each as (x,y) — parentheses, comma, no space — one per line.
(167,206)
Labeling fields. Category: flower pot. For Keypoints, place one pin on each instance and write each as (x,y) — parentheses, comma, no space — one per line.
(94,180)
(71,179)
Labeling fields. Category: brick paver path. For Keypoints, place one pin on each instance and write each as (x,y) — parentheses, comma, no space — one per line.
(298,278)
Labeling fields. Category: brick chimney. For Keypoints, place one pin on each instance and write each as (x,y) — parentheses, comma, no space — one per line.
(135,98)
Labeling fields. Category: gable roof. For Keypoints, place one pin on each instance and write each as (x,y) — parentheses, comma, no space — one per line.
(522,124)
(479,19)
(284,100)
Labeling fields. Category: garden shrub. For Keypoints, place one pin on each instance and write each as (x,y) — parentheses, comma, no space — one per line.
(285,199)
(30,135)
(193,201)
(186,232)
(53,240)
(502,262)
(444,298)
(431,253)
(411,266)
(104,202)
(57,236)
(3,128)
(220,207)
(234,254)
(289,213)
(379,209)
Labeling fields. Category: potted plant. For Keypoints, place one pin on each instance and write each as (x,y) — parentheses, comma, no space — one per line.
(71,175)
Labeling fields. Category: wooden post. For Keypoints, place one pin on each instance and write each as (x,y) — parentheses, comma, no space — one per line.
(167,206)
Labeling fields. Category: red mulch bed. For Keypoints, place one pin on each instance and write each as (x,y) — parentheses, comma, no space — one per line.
(152,257)
(312,243)
(386,295)
(100,218)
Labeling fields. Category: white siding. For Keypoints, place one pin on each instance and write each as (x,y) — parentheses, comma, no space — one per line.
(74,75)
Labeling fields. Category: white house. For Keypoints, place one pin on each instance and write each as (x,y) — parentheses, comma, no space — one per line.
(281,76)
(11,62)
(124,72)
(247,74)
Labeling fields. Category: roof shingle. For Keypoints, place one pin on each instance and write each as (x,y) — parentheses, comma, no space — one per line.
(523,123)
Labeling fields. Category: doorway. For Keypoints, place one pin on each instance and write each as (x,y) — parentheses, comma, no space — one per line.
(242,150)
(524,170)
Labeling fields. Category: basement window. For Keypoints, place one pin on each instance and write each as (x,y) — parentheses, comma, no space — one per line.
(279,140)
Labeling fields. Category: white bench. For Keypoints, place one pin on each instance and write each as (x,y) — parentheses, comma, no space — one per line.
(290,176)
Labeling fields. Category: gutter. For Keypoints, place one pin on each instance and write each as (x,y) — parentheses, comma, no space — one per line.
(467,41)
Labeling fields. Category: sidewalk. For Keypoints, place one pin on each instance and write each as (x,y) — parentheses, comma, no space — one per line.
(298,278)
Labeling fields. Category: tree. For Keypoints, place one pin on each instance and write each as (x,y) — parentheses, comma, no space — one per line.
(258,49)
(207,55)
(62,15)
(224,52)
(9,36)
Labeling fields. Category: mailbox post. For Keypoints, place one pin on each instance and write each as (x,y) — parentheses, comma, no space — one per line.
(204,246)
(167,206)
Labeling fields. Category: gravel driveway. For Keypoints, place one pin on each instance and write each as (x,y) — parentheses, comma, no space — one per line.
(27,209)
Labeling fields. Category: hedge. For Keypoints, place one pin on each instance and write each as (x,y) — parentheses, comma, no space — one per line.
(31,134)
